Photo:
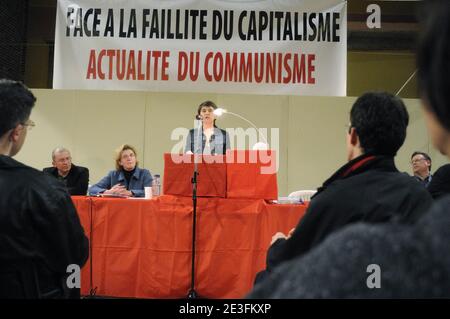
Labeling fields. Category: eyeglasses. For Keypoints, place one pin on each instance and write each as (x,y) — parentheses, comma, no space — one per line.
(29,124)
(418,160)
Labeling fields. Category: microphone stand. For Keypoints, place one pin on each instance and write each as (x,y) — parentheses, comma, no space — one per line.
(192,293)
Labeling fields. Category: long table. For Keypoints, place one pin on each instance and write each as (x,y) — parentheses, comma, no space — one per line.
(142,248)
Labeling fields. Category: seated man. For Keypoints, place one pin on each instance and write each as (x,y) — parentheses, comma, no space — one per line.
(75,178)
(421,165)
(368,188)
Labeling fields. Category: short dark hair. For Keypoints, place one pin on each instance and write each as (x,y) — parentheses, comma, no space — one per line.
(16,102)
(433,58)
(380,120)
(427,157)
(206,104)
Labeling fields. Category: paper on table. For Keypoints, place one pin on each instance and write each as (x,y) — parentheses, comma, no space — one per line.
(288,200)
(113,195)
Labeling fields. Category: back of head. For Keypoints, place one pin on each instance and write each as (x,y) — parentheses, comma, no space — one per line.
(433,58)
(16,102)
(380,120)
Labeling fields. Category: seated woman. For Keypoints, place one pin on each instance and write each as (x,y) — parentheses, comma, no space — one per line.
(213,141)
(127,180)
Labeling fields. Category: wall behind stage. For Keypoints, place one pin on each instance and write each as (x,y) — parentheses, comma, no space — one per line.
(93,123)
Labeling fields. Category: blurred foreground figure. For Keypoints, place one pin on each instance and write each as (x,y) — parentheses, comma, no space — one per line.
(40,232)
(391,260)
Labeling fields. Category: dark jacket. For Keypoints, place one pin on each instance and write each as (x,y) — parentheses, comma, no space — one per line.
(77,179)
(440,184)
(40,233)
(413,262)
(369,189)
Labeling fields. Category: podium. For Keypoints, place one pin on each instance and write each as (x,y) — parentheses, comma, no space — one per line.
(252,174)
(238,174)
(178,170)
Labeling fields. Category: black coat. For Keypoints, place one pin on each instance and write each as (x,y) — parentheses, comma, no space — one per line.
(40,232)
(413,262)
(77,179)
(440,184)
(368,189)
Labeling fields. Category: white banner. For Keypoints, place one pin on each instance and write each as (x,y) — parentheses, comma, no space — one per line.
(293,47)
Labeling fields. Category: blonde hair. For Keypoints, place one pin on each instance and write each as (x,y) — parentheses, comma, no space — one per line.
(119,152)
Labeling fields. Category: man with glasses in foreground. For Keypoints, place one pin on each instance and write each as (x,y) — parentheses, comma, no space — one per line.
(40,232)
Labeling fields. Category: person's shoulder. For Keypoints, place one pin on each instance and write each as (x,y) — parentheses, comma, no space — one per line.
(439,213)
(341,194)
(444,170)
(410,182)
(339,188)
(41,182)
(143,171)
(113,172)
(26,179)
(80,169)
(404,176)
(48,170)
(31,174)
(408,186)
(224,132)
(335,200)
(403,180)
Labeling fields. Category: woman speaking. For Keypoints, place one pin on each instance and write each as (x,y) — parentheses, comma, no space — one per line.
(213,140)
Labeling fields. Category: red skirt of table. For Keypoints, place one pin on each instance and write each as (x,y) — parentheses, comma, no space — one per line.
(142,248)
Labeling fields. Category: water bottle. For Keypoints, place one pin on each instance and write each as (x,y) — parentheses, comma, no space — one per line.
(156,187)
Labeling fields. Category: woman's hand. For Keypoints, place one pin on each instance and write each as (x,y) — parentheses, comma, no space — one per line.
(118,189)
(125,192)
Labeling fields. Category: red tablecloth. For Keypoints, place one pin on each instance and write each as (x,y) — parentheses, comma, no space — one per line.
(239,174)
(142,248)
(251,174)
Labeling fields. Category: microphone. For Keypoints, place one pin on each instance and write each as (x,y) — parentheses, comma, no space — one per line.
(199,117)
